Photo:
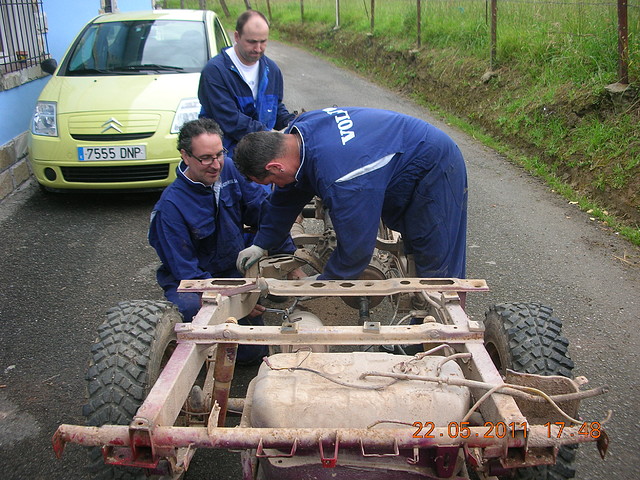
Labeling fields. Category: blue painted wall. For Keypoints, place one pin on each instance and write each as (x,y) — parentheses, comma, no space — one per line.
(65,18)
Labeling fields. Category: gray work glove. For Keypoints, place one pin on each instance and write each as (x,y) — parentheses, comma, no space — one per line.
(248,257)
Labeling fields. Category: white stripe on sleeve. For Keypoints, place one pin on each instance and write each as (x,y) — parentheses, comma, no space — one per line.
(366,169)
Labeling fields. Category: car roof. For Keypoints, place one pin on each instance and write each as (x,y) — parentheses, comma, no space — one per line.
(195,15)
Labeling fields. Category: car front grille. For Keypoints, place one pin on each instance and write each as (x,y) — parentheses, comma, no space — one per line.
(117,137)
(116,126)
(119,174)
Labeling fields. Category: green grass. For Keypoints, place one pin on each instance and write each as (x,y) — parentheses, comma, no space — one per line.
(540,169)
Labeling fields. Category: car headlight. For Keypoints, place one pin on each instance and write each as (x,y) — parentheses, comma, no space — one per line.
(188,109)
(44,119)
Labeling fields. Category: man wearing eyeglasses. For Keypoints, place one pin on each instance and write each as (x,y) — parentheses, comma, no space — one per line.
(197,224)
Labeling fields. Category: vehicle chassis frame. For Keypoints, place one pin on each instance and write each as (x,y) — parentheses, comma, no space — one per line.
(152,441)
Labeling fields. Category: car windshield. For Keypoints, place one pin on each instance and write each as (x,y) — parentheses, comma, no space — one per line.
(139,47)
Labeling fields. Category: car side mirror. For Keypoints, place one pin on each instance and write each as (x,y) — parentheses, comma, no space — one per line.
(49,65)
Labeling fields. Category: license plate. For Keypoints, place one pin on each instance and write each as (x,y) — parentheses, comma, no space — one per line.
(129,152)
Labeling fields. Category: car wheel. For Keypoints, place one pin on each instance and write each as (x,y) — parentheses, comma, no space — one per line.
(133,345)
(527,338)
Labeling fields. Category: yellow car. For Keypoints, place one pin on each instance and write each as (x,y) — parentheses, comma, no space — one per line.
(109,116)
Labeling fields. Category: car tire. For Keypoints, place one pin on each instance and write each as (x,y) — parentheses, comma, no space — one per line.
(527,338)
(133,344)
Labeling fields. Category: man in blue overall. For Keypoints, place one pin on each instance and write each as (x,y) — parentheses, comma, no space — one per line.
(197,224)
(241,88)
(364,164)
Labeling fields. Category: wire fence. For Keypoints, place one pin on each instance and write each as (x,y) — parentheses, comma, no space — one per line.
(600,34)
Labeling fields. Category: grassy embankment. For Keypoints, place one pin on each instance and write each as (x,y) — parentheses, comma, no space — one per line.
(544,104)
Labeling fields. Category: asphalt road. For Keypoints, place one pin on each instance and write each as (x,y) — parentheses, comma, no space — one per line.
(65,259)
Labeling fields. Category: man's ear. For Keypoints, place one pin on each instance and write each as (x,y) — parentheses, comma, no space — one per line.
(274,167)
(184,156)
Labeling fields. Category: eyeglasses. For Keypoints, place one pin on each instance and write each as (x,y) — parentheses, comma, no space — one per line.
(209,159)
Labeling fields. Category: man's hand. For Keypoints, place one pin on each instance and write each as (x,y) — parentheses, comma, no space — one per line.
(248,257)
(257,311)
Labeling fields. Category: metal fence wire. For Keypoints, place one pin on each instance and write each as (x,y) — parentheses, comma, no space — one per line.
(501,30)
(23,40)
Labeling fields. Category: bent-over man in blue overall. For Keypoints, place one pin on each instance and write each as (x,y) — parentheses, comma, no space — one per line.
(197,225)
(365,164)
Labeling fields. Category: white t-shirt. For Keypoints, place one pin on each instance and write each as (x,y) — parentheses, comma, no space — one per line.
(249,73)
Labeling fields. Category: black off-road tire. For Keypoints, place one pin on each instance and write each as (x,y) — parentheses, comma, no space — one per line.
(527,338)
(133,344)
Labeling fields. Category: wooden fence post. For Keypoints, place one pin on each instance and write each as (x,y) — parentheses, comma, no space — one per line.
(373,14)
(223,4)
(419,21)
(494,22)
(269,9)
(623,43)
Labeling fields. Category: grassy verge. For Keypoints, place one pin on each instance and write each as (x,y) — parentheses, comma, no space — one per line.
(539,169)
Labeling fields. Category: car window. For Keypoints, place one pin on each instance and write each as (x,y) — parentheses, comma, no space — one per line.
(221,39)
(146,46)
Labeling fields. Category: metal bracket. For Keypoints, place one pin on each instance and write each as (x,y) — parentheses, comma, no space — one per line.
(373,327)
(289,327)
(416,457)
(260,451)
(329,462)
(476,326)
(396,450)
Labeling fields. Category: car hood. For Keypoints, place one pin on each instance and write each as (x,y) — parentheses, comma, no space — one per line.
(114,93)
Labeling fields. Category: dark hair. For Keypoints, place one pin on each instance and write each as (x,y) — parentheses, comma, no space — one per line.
(194,128)
(244,18)
(257,149)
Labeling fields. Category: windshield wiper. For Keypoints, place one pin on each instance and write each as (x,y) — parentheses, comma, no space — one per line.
(88,71)
(150,66)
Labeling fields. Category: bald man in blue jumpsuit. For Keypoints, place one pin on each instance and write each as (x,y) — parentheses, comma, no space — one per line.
(365,164)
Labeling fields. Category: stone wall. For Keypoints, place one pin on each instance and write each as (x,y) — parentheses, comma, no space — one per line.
(15,171)
(14,167)
(25,75)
